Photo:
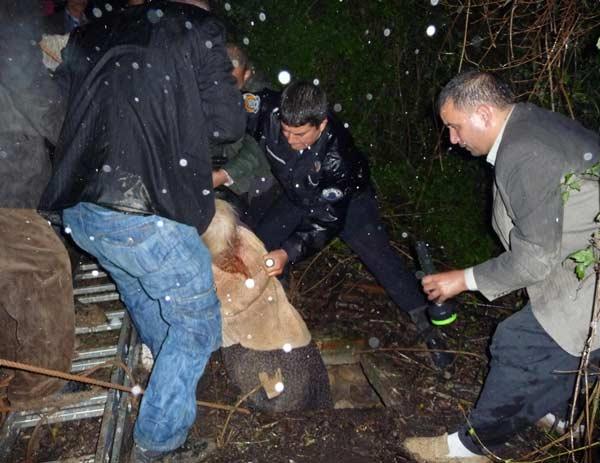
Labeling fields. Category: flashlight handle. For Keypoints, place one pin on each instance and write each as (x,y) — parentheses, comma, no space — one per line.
(425,261)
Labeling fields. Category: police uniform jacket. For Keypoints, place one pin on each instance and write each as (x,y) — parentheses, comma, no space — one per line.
(320,180)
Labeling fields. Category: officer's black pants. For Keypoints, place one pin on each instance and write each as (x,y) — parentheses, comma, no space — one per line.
(364,233)
(523,383)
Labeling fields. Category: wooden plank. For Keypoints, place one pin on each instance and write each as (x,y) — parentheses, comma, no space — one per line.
(382,379)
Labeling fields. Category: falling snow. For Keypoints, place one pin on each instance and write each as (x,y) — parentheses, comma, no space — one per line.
(284,77)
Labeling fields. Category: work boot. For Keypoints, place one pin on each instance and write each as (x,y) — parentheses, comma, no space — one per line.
(190,452)
(432,337)
(435,450)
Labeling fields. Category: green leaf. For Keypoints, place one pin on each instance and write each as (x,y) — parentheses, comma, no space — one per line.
(572,181)
(594,170)
(584,259)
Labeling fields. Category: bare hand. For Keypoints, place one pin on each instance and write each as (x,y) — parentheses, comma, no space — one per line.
(279,259)
(219,177)
(445,285)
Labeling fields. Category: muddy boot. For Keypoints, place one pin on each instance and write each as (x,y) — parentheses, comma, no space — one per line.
(190,452)
(432,337)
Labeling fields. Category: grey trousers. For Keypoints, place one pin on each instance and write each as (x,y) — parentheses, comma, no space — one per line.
(524,382)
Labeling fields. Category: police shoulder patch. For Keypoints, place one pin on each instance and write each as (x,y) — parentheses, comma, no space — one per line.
(332,194)
(251,102)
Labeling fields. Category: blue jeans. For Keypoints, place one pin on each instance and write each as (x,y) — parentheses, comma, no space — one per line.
(163,272)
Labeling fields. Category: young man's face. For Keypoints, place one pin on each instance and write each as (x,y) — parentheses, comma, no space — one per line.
(469,128)
(302,137)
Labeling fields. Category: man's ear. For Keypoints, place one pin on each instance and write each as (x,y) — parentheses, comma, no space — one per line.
(247,75)
(323,124)
(486,112)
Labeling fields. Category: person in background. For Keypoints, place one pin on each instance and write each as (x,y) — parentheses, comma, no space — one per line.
(149,88)
(36,304)
(531,150)
(67,18)
(328,194)
(242,174)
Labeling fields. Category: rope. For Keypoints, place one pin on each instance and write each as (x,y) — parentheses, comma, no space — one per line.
(135,390)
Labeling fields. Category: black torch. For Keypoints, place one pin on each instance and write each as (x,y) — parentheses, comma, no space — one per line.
(439,314)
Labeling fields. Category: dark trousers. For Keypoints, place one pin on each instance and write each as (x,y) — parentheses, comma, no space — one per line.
(364,233)
(524,382)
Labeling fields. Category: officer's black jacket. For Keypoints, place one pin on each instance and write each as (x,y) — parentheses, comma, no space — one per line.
(321,180)
(147,89)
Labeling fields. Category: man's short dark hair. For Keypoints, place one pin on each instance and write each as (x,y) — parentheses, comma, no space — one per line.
(472,88)
(303,103)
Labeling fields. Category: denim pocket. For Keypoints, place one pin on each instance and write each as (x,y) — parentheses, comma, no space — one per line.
(142,247)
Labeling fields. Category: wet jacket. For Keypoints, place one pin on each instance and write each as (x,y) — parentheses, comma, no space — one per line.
(321,180)
(148,90)
(31,114)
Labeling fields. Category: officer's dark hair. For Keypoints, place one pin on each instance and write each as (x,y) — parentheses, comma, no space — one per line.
(473,88)
(303,103)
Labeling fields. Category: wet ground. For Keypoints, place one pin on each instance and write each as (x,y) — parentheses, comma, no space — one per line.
(343,307)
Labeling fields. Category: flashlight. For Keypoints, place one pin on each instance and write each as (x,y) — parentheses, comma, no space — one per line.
(439,314)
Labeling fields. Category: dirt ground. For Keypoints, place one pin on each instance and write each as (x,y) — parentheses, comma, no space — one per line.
(338,300)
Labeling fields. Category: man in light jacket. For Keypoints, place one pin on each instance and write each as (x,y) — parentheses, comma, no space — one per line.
(531,150)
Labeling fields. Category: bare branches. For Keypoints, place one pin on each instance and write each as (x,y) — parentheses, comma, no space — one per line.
(531,39)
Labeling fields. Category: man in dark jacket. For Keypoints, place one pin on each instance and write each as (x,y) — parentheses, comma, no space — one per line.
(327,193)
(36,303)
(148,89)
